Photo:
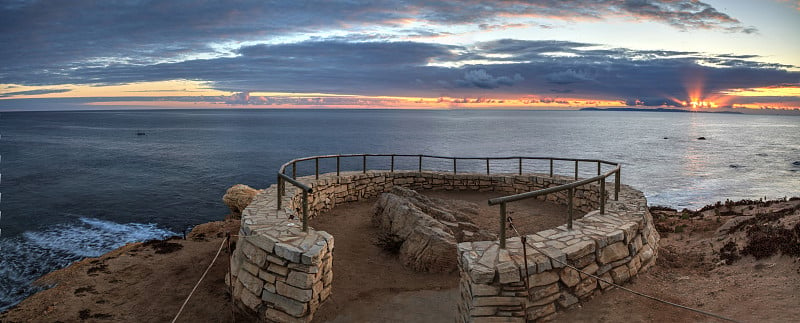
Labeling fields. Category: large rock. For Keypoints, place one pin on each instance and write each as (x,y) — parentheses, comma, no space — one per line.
(238,197)
(428,228)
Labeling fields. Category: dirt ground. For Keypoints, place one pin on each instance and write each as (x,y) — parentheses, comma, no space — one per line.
(136,283)
(139,282)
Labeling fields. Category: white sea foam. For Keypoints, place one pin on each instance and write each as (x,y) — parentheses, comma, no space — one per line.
(59,246)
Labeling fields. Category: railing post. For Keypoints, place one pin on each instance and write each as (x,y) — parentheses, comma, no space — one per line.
(455,171)
(598,168)
(364,163)
(316,168)
(280,192)
(576,170)
(551,167)
(392,169)
(602,196)
(305,211)
(569,214)
(420,163)
(487,166)
(294,170)
(503,225)
(616,185)
(520,166)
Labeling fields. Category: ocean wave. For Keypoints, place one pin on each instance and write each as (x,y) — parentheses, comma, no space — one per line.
(25,258)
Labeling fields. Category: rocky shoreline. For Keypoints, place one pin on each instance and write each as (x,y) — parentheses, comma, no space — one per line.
(727,239)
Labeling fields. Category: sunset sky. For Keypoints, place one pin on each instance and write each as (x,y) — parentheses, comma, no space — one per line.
(63,55)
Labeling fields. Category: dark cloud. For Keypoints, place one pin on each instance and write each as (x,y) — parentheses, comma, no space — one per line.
(568,77)
(406,69)
(481,79)
(34,92)
(42,38)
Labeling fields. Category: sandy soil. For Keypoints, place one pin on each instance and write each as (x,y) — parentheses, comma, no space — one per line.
(135,283)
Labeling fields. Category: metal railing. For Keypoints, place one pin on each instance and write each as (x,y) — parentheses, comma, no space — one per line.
(283,177)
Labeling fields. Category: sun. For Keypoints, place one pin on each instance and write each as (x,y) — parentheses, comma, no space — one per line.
(698,104)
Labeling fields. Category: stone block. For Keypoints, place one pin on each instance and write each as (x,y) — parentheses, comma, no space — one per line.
(620,274)
(287,305)
(612,253)
(311,269)
(570,277)
(579,249)
(565,299)
(482,274)
(541,279)
(536,312)
(277,260)
(634,265)
(266,276)
(300,279)
(270,287)
(539,292)
(275,315)
(288,252)
(646,253)
(630,229)
(585,287)
(303,295)
(327,278)
(314,254)
(496,301)
(278,269)
(326,292)
(605,277)
(250,268)
(262,242)
(483,311)
(585,260)
(250,300)
(615,236)
(507,272)
(251,282)
(635,245)
(485,290)
(253,253)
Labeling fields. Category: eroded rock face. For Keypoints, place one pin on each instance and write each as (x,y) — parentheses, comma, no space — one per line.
(430,228)
(238,197)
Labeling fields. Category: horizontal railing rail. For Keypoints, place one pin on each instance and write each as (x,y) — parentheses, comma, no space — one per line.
(283,177)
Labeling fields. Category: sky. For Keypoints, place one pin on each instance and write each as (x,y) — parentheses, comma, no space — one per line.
(536,54)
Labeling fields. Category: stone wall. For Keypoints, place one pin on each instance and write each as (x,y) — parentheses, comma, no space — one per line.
(615,247)
(283,274)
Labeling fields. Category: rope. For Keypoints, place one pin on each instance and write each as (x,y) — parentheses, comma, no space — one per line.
(201,279)
(525,245)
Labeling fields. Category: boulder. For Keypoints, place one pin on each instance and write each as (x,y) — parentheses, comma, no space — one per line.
(238,197)
(427,228)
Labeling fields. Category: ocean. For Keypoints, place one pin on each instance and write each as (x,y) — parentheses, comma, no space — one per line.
(79,184)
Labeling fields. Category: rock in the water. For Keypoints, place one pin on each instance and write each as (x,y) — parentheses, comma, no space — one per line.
(701,138)
(238,197)
(428,227)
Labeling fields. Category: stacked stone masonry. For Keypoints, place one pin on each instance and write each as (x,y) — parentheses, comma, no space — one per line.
(282,274)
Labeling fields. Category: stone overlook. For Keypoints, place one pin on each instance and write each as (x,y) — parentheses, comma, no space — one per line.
(281,274)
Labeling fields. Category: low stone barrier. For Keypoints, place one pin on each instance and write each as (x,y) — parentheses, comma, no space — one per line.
(615,246)
(280,273)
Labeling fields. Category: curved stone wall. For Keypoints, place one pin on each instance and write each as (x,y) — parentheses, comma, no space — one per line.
(280,273)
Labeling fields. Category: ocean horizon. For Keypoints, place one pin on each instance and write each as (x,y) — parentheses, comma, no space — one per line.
(77,184)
